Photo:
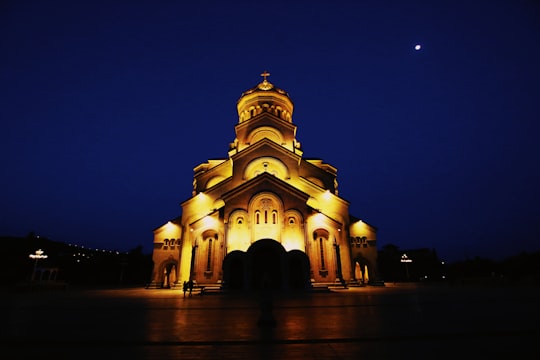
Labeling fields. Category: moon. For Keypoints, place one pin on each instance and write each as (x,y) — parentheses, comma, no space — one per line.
(417,47)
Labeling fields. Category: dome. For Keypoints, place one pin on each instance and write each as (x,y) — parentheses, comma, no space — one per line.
(264,87)
(265,97)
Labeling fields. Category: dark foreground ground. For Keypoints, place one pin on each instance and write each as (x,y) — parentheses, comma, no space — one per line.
(390,322)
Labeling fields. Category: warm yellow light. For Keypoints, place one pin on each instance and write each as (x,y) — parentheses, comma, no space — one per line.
(169,230)
(200,206)
(208,222)
(38,255)
(405,259)
(169,226)
(326,195)
(319,219)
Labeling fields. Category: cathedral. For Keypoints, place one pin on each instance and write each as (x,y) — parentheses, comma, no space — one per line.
(265,215)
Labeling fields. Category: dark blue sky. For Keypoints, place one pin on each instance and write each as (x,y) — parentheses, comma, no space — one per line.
(107,106)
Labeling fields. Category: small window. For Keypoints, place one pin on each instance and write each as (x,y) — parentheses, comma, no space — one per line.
(321,245)
(209,255)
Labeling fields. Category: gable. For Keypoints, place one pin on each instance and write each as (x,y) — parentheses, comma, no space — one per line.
(239,197)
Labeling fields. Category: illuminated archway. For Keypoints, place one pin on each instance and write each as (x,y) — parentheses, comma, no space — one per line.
(168,272)
(266,211)
(269,165)
(265,132)
(362,269)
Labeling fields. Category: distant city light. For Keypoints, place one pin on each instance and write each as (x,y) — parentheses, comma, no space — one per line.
(40,254)
(405,259)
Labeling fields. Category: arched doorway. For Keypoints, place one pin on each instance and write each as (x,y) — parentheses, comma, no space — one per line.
(168,278)
(266,264)
(298,262)
(234,270)
(361,270)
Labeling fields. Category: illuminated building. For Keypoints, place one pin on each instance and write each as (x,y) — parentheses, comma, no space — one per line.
(265,213)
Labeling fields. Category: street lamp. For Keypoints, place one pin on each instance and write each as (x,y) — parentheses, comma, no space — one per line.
(38,255)
(405,259)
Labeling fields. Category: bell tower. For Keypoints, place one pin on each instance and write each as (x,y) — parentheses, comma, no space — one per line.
(265,112)
(264,97)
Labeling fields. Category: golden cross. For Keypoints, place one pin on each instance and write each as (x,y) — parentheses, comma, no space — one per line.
(265,74)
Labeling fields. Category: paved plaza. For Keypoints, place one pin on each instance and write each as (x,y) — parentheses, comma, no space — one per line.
(388,322)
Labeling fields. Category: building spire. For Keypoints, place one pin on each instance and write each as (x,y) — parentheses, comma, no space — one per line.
(265,85)
(265,74)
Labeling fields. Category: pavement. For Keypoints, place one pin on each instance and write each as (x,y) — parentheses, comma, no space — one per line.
(410,321)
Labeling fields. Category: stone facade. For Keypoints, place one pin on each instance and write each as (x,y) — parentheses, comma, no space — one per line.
(265,215)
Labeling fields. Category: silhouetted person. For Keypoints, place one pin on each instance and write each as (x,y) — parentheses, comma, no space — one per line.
(190,287)
(185,288)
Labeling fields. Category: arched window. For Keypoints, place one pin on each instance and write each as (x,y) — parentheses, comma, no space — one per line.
(320,236)
(321,245)
(265,215)
(209,259)
(210,238)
